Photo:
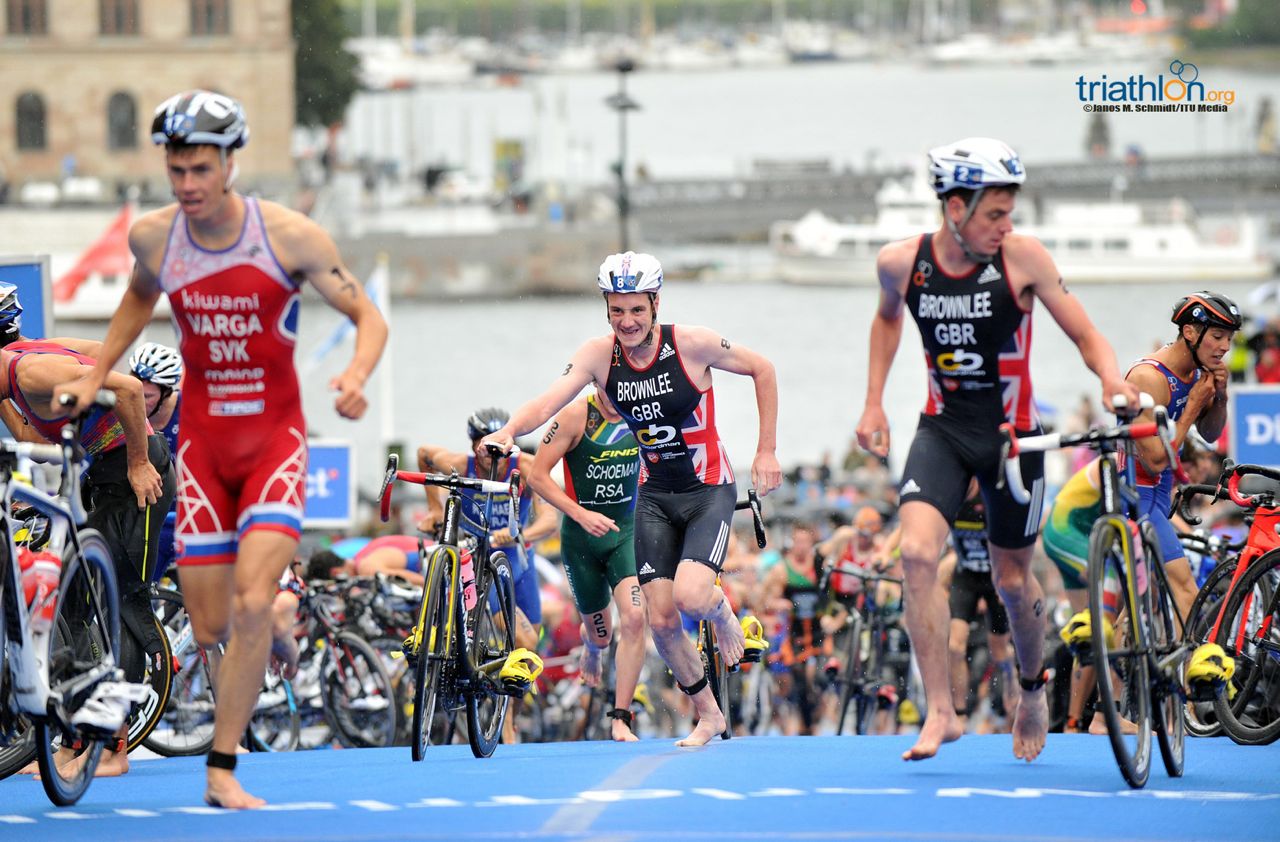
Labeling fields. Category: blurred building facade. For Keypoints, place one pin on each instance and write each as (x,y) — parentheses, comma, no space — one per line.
(83,77)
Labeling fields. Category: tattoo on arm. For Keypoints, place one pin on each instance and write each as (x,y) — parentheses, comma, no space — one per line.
(1063,284)
(555,426)
(567,369)
(347,286)
(724,343)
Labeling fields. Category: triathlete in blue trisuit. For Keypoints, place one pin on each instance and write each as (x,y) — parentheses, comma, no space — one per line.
(659,378)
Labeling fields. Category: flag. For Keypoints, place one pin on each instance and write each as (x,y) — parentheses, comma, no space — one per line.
(108,256)
(378,289)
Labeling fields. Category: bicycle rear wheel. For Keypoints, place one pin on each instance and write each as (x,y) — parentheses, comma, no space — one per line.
(185,727)
(1168,709)
(275,724)
(492,639)
(717,672)
(432,650)
(849,675)
(1123,674)
(1201,719)
(157,676)
(87,642)
(1250,633)
(359,701)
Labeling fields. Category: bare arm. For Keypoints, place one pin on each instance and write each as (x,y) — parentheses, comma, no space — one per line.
(703,347)
(438,460)
(18,426)
(892,267)
(545,520)
(835,545)
(581,371)
(563,435)
(314,257)
(1147,378)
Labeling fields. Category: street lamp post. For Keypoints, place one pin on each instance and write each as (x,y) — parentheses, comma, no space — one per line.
(622,103)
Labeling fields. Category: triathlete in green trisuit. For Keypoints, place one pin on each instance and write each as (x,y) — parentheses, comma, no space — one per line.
(597,537)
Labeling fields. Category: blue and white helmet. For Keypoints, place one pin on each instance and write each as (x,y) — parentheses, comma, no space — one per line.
(156,363)
(198,118)
(630,272)
(974,163)
(10,311)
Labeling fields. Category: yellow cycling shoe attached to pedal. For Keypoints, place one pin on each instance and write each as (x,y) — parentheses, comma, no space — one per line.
(1078,632)
(521,669)
(754,644)
(1208,671)
(641,697)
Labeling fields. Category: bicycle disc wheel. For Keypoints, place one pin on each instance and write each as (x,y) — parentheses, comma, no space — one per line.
(492,638)
(1201,719)
(1250,633)
(717,672)
(1168,709)
(432,651)
(359,701)
(157,676)
(88,641)
(185,727)
(1123,675)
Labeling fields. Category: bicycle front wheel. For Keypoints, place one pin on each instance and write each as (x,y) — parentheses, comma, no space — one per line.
(492,639)
(431,633)
(275,724)
(1123,676)
(86,639)
(157,676)
(359,701)
(1249,709)
(717,672)
(848,676)
(1168,709)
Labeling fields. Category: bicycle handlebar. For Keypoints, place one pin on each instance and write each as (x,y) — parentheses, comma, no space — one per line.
(757,520)
(861,573)
(512,488)
(1250,501)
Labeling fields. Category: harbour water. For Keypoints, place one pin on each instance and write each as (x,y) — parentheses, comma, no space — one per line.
(446,360)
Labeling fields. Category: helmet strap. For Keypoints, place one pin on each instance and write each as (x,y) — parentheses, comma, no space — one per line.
(1195,357)
(973,256)
(232,171)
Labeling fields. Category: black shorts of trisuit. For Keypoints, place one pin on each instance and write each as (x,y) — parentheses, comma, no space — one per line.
(944,456)
(969,586)
(672,526)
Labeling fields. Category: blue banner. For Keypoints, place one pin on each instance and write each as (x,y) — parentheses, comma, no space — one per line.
(35,288)
(331,485)
(1254,416)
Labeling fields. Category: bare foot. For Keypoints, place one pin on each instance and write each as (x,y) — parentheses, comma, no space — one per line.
(111,764)
(223,790)
(938,728)
(622,733)
(729,636)
(589,666)
(1098,727)
(707,729)
(1030,724)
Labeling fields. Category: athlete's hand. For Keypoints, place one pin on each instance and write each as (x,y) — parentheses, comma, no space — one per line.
(501,538)
(84,390)
(597,524)
(1116,386)
(1201,396)
(430,523)
(873,431)
(1220,379)
(766,473)
(351,402)
(499,439)
(146,483)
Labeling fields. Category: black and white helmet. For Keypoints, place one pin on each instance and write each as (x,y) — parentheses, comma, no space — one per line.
(485,421)
(156,363)
(199,118)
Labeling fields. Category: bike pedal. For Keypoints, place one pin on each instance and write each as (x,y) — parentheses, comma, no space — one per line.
(1204,691)
(514,687)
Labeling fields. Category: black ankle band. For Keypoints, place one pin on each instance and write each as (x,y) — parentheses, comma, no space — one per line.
(620,715)
(693,689)
(1033,684)
(218,760)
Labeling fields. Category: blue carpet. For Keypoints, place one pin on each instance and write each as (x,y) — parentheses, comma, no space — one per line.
(747,788)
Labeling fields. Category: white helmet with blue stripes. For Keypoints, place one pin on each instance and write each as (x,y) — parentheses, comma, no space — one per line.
(974,163)
(630,272)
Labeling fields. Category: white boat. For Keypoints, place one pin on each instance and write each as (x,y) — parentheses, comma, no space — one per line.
(1091,241)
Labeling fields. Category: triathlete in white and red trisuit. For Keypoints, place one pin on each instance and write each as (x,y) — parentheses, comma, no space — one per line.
(659,379)
(232,267)
(970,287)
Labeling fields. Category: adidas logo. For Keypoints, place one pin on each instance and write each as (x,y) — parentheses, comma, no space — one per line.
(646,568)
(667,351)
(910,488)
(989,274)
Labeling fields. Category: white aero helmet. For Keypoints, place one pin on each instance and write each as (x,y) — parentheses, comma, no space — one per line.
(156,363)
(630,272)
(974,163)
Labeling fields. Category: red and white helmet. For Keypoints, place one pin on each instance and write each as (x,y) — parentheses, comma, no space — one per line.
(974,163)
